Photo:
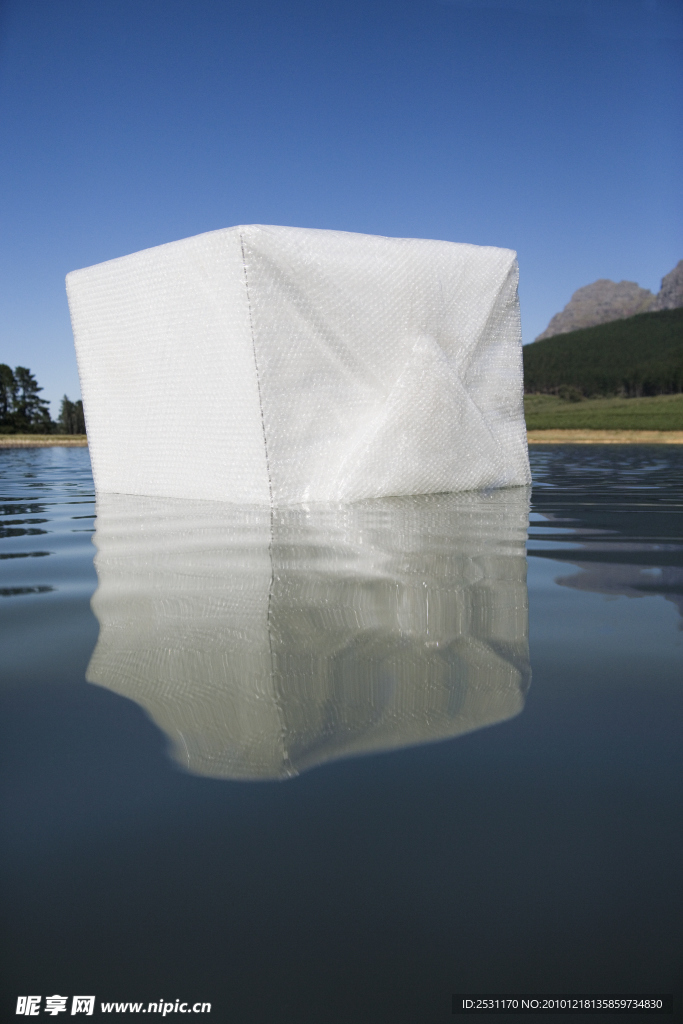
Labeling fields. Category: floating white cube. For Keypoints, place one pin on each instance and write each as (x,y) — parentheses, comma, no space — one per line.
(274,365)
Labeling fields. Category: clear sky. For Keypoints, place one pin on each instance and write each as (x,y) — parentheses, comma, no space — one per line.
(552,127)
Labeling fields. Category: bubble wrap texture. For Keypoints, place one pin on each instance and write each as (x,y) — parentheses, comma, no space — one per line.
(274,365)
(265,643)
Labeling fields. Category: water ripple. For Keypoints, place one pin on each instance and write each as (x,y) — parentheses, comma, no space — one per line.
(39,488)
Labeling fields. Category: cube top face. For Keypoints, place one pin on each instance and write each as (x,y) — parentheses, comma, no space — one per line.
(282,365)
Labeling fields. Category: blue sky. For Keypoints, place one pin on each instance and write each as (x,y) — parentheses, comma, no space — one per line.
(548,126)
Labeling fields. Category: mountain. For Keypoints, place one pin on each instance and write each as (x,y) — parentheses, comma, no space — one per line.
(605,300)
(671,294)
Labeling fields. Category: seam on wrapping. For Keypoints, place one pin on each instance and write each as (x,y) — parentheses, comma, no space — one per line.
(288,767)
(258,379)
(278,696)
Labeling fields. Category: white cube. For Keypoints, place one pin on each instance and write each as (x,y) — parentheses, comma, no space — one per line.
(273,365)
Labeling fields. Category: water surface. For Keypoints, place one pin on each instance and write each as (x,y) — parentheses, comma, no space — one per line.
(336,764)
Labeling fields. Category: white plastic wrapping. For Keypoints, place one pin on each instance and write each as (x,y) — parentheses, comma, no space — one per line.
(276,366)
(266,643)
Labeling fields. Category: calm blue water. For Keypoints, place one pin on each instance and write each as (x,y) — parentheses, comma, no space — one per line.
(336,764)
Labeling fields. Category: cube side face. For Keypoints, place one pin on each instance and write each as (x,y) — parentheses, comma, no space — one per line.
(166,361)
(386,366)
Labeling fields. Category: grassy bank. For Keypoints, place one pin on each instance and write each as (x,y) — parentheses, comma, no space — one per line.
(547,412)
(605,436)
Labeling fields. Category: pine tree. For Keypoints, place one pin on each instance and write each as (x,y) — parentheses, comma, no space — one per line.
(32,413)
(71,419)
(21,407)
(8,391)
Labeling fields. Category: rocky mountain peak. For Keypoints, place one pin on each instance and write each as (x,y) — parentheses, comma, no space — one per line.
(671,294)
(606,300)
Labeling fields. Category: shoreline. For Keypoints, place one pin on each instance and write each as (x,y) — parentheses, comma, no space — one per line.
(564,436)
(534,437)
(43,441)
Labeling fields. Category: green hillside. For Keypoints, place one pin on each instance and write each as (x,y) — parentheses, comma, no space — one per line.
(642,355)
(548,412)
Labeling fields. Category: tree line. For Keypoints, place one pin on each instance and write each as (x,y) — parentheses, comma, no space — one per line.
(23,411)
(641,355)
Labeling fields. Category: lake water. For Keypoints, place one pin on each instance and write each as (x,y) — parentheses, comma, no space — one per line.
(336,764)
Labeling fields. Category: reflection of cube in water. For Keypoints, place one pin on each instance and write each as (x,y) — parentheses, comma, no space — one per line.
(268,364)
(266,642)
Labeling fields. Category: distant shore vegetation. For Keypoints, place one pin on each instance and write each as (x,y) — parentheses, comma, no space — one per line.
(639,357)
(23,411)
(622,375)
